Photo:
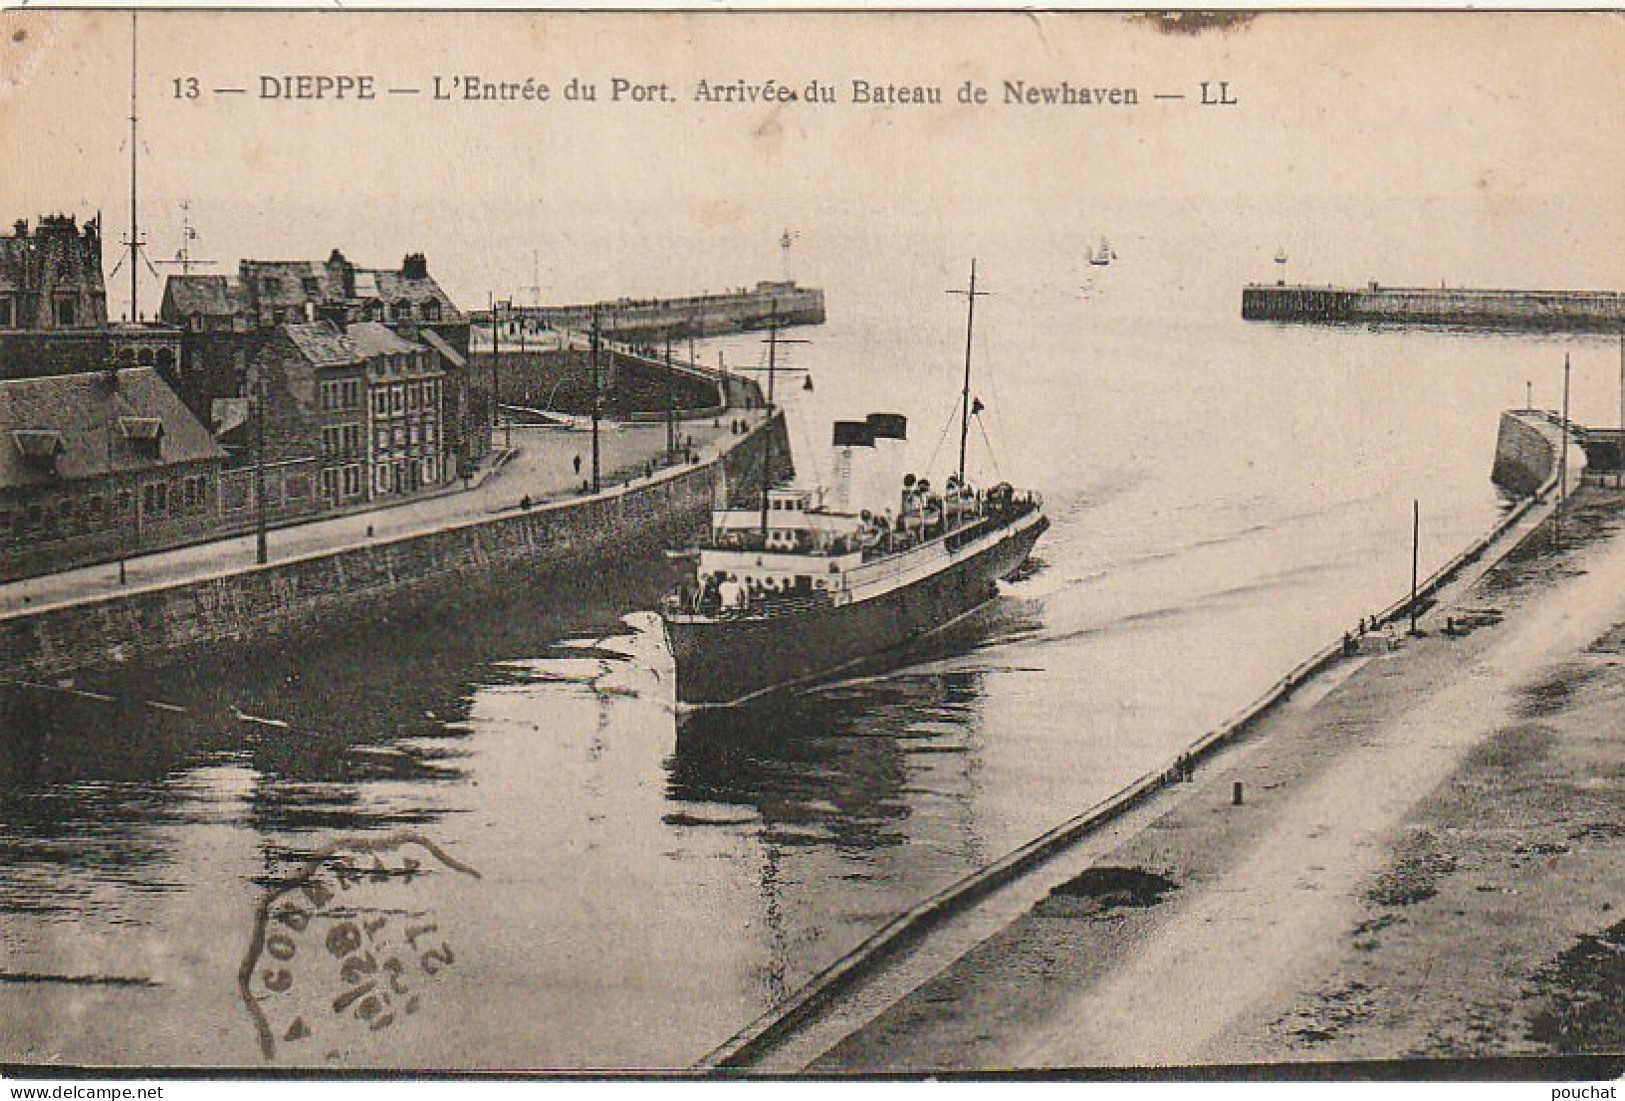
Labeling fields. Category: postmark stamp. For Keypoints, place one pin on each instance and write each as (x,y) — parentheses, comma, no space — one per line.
(342,951)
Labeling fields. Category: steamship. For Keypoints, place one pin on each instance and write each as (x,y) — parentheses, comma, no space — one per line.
(816,582)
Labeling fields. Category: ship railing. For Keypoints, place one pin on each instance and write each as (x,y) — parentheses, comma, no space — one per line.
(755,607)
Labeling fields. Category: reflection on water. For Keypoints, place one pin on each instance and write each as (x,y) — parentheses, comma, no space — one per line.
(646,887)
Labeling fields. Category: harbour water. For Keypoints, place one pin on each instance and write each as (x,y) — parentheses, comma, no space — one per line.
(1226,497)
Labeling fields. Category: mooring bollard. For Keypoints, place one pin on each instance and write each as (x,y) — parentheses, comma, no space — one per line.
(1235,794)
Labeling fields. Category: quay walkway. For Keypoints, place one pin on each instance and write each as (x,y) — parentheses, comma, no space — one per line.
(541,466)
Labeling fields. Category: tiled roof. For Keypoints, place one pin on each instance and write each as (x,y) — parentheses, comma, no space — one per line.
(374,339)
(273,283)
(81,409)
(447,352)
(393,286)
(323,344)
(205,295)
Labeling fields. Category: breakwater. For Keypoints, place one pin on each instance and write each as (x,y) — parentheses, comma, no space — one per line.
(635,385)
(442,569)
(677,318)
(1576,311)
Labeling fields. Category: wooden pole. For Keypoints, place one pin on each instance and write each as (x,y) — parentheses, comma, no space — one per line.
(261,546)
(596,338)
(767,440)
(135,232)
(1562,462)
(1416,554)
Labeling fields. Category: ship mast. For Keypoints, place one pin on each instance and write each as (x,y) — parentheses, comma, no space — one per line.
(773,342)
(133,242)
(970,321)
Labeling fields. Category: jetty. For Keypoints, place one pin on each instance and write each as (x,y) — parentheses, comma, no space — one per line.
(780,302)
(1375,304)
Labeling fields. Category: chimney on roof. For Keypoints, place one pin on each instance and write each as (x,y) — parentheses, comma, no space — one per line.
(415,266)
(341,268)
(19,228)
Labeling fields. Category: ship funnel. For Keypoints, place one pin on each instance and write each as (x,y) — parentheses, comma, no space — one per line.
(884,490)
(851,440)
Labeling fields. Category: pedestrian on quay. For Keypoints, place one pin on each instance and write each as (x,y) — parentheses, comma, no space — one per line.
(577,464)
(524,502)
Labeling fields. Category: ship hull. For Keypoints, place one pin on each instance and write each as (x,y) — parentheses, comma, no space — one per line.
(726,662)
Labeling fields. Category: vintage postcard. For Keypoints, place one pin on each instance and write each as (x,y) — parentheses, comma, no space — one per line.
(812,543)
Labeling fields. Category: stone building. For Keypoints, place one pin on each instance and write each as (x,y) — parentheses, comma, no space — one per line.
(406,421)
(227,321)
(53,299)
(97,465)
(361,405)
(51,278)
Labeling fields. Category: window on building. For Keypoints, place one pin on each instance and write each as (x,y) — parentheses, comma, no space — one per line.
(94,508)
(431,310)
(8,312)
(380,402)
(67,312)
(143,435)
(380,479)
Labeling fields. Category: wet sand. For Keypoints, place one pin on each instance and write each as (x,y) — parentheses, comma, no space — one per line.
(1428,863)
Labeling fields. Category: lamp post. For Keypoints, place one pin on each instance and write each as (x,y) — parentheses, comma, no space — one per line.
(1562,463)
(262,550)
(112,482)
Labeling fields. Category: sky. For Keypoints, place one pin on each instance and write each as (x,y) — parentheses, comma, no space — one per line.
(1478,149)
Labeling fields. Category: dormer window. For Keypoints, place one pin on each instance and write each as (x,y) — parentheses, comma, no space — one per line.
(144,435)
(39,447)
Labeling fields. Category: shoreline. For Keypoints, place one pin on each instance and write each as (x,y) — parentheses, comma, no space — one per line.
(1352,907)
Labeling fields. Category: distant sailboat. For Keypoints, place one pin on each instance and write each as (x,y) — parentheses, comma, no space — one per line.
(1280,257)
(1103,255)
